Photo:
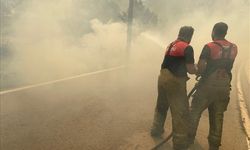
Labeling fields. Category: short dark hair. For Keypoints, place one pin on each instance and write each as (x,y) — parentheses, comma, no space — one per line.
(186,33)
(220,29)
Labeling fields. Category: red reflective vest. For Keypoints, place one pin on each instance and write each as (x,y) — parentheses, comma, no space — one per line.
(221,56)
(216,50)
(177,48)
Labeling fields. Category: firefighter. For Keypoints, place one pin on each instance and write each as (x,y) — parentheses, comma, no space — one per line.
(178,60)
(215,65)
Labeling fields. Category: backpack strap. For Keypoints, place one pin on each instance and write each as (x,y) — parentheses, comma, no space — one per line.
(225,50)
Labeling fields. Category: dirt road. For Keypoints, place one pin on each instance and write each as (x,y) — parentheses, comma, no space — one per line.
(107,111)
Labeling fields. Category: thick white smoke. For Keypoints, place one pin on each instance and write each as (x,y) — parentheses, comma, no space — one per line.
(43,49)
(48,43)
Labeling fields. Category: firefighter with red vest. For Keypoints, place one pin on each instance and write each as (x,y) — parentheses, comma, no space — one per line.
(215,65)
(178,60)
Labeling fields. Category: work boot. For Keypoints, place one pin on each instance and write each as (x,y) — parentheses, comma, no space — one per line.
(158,125)
(156,131)
(192,147)
(212,147)
(180,147)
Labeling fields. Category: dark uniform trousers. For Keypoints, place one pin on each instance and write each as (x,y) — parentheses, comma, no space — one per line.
(172,94)
(213,94)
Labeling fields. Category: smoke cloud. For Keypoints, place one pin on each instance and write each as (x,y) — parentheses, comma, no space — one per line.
(44,45)
(52,39)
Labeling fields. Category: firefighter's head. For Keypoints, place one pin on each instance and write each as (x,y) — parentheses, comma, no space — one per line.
(219,30)
(186,33)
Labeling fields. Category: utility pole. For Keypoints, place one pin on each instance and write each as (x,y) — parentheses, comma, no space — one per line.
(130,23)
